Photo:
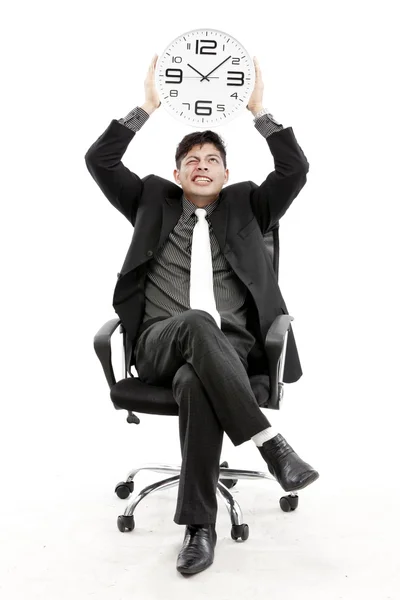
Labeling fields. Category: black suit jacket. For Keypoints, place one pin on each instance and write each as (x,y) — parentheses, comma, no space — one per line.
(245,212)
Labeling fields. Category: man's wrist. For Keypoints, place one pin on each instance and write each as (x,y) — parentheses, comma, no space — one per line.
(149,108)
(256,109)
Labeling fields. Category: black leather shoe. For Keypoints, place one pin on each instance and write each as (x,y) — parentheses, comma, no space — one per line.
(285,465)
(197,552)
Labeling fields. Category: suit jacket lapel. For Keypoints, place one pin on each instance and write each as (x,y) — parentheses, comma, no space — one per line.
(172,210)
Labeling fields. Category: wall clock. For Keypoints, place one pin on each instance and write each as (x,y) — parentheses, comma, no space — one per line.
(204,78)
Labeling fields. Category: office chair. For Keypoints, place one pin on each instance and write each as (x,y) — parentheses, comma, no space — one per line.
(131,394)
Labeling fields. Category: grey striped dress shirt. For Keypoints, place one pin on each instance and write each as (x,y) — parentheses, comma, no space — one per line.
(168,275)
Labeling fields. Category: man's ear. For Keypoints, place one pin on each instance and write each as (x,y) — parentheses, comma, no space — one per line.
(226,175)
(176,177)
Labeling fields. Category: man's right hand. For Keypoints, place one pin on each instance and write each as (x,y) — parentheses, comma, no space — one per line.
(152,99)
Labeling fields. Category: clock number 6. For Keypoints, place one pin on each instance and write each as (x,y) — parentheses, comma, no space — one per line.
(207,109)
(203,110)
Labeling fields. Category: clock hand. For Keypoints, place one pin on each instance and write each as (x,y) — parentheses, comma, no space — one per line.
(206,76)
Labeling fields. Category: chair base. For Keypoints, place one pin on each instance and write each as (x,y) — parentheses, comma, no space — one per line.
(228,478)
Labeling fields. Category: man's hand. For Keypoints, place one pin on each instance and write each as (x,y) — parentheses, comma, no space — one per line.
(256,99)
(152,99)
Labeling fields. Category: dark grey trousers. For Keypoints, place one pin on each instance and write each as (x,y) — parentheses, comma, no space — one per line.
(206,367)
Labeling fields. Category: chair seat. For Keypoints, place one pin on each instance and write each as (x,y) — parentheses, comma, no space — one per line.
(133,394)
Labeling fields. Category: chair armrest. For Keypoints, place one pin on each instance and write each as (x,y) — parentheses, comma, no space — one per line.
(275,348)
(102,346)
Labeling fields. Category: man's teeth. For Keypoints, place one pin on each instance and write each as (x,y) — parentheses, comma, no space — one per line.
(202,179)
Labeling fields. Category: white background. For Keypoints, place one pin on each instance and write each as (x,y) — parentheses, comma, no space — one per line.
(330,73)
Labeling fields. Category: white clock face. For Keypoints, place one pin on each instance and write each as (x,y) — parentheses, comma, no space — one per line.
(204,78)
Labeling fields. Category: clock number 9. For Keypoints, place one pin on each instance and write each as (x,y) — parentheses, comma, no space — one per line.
(170,73)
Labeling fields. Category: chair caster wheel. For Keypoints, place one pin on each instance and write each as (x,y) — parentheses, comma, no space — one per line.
(228,483)
(289,503)
(125,523)
(123,489)
(240,531)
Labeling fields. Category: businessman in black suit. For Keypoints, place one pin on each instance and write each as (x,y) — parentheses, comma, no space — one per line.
(207,367)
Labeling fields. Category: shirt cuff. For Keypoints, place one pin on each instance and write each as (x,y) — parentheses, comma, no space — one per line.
(265,126)
(135,119)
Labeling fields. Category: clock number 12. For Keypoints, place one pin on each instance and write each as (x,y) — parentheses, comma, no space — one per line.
(208,45)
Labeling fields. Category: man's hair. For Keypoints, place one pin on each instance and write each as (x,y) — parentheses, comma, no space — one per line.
(199,138)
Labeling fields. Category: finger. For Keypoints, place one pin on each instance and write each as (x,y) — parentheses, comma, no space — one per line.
(257,67)
(153,62)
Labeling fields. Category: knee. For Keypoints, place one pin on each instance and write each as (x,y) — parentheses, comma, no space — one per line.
(184,377)
(192,324)
(196,317)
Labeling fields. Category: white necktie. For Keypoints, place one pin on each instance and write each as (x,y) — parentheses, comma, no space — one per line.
(201,269)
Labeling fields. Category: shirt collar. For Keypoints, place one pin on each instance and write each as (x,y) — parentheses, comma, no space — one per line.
(189,207)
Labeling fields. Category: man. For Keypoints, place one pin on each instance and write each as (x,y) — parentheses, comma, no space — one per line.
(207,367)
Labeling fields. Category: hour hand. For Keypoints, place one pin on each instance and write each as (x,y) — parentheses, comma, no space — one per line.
(217,67)
(203,76)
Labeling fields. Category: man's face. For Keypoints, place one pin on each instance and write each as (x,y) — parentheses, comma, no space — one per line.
(201,162)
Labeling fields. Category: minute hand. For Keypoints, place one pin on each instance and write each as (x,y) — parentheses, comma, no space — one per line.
(224,61)
(203,76)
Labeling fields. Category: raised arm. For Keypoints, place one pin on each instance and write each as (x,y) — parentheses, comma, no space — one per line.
(103,159)
(273,197)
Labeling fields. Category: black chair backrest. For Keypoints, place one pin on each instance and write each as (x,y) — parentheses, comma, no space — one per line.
(271,240)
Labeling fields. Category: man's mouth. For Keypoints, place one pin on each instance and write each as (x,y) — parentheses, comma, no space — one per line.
(201,179)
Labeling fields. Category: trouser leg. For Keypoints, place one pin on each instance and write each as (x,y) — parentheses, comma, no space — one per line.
(193,337)
(201,437)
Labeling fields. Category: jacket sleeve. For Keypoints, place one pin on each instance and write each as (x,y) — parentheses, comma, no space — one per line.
(272,198)
(103,160)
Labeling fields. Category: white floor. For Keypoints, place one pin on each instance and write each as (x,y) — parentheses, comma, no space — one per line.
(59,539)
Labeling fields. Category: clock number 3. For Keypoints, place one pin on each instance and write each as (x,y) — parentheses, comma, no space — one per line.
(238,78)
